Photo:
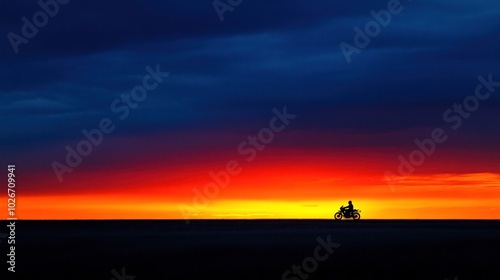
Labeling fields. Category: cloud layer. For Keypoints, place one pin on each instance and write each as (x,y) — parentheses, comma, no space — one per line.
(227,76)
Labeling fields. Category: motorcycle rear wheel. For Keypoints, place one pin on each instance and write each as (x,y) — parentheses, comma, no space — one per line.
(356,216)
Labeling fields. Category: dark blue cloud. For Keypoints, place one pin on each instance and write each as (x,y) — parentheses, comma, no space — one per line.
(229,75)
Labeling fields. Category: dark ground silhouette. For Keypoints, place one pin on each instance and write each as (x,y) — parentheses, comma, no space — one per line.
(262,249)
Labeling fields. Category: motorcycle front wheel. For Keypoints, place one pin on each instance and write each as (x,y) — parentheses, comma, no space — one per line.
(356,216)
(338,216)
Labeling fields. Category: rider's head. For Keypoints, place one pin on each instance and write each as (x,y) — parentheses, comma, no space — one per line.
(350,202)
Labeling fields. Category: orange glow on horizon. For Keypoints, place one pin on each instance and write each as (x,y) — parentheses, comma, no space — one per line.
(279,183)
(439,196)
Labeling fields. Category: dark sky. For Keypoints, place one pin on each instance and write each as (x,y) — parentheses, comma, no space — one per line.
(226,76)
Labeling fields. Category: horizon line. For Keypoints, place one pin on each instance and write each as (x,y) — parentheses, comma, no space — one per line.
(250,219)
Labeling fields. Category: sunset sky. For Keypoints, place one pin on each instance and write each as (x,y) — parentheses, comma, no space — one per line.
(230,80)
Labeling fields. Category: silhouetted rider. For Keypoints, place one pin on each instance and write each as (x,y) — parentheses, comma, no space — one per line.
(349,209)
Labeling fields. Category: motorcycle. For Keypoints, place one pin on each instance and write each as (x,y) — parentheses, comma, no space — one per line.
(344,213)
